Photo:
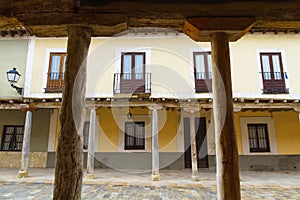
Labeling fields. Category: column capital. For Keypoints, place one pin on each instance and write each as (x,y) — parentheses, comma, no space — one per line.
(297,109)
(155,107)
(191,107)
(29,108)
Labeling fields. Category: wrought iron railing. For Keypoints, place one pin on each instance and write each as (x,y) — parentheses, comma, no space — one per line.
(132,83)
(55,82)
(203,75)
(274,75)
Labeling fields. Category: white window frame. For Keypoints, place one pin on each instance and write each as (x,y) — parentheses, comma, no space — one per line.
(244,121)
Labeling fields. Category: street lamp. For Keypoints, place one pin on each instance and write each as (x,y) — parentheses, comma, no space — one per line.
(13,76)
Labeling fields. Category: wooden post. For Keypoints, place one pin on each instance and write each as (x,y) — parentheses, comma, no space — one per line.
(23,173)
(91,147)
(68,168)
(228,180)
(155,151)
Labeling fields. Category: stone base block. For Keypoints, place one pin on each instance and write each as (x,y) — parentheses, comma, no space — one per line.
(155,177)
(23,174)
(89,176)
(195,178)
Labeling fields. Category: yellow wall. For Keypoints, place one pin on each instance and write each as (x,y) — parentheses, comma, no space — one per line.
(108,140)
(40,64)
(287,127)
(287,130)
(173,56)
(244,60)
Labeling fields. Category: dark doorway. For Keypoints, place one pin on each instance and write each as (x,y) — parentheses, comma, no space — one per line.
(201,141)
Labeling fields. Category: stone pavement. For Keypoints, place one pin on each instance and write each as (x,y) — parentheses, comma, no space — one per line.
(174,184)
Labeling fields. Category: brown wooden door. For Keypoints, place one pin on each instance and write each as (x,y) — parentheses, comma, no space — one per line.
(132,73)
(56,71)
(201,142)
(272,73)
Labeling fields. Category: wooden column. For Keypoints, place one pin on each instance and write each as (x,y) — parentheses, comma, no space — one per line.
(91,146)
(23,173)
(68,168)
(155,151)
(228,182)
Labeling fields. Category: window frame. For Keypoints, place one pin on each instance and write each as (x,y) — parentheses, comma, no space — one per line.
(266,138)
(4,134)
(135,146)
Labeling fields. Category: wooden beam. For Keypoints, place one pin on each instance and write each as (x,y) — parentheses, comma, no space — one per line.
(201,29)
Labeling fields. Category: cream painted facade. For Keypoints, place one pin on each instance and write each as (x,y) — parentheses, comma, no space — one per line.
(170,61)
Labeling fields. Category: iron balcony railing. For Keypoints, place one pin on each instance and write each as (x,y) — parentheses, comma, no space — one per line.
(55,82)
(203,82)
(132,83)
(274,75)
(203,75)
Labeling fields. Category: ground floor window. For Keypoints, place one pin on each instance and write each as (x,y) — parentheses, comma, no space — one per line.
(258,137)
(134,136)
(12,138)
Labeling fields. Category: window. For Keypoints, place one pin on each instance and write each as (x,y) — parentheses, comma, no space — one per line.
(258,138)
(202,71)
(12,138)
(86,128)
(134,136)
(57,65)
(132,79)
(272,73)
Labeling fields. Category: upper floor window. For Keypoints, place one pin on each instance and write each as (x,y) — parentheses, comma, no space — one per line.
(134,136)
(203,71)
(133,79)
(258,137)
(12,138)
(272,73)
(57,65)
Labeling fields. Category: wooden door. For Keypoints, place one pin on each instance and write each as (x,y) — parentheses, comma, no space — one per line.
(133,73)
(272,73)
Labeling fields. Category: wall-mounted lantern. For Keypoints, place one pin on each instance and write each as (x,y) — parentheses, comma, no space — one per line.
(13,76)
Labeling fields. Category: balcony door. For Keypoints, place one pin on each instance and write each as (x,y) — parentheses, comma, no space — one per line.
(203,69)
(133,73)
(272,73)
(56,71)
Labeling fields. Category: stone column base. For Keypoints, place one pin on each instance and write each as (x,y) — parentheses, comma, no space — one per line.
(23,174)
(195,178)
(155,177)
(89,176)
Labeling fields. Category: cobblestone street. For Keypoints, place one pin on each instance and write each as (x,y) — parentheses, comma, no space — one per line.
(254,185)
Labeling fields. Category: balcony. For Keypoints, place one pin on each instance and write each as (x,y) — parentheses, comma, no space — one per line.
(55,82)
(203,82)
(132,83)
(274,83)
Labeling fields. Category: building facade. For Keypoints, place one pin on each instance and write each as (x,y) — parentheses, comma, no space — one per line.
(143,80)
